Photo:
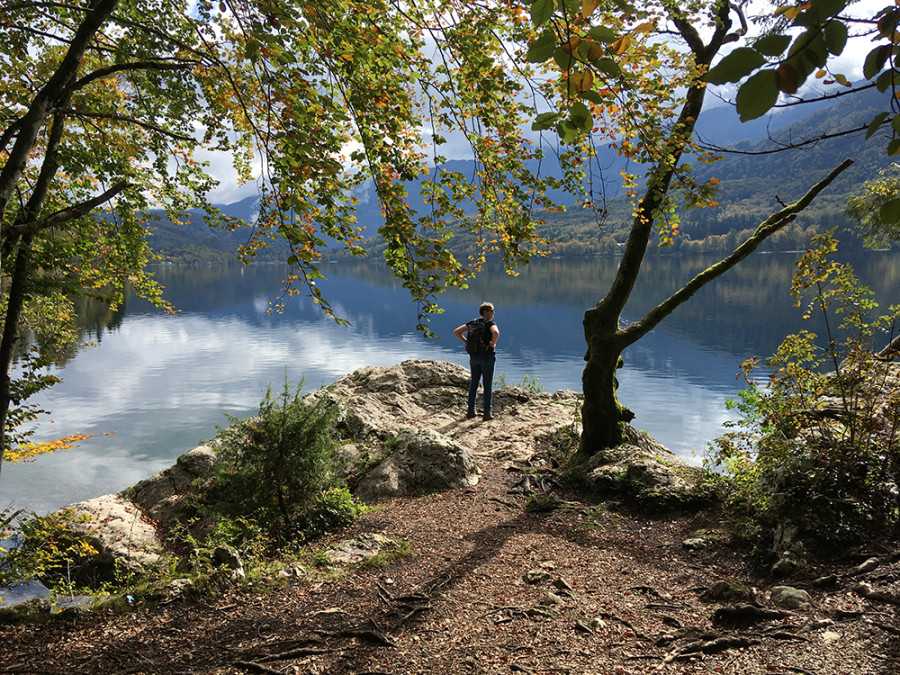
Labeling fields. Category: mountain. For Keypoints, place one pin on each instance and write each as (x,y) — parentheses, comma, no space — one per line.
(754,178)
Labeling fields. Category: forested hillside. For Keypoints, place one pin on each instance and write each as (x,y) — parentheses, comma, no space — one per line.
(754,179)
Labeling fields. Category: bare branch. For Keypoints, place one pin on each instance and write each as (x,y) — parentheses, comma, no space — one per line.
(787,146)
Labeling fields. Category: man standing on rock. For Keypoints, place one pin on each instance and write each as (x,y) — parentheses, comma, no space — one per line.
(481,338)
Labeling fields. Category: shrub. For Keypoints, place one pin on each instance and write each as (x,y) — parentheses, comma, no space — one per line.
(48,549)
(278,471)
(812,448)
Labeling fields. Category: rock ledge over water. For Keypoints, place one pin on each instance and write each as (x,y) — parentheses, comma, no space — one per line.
(412,416)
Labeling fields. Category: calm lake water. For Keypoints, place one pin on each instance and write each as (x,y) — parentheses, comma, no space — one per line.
(162,382)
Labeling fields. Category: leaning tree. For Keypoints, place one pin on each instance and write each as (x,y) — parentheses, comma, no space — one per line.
(638,72)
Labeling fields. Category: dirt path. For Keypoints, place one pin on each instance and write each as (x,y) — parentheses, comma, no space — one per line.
(606,592)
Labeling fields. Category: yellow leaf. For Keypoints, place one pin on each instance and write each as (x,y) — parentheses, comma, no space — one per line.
(582,81)
(588,7)
(644,28)
(820,74)
(621,45)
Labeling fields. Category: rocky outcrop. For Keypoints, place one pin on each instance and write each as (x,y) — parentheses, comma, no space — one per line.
(121,534)
(382,401)
(643,469)
(406,430)
(127,529)
(161,497)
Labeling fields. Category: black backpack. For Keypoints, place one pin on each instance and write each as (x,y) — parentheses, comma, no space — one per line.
(478,338)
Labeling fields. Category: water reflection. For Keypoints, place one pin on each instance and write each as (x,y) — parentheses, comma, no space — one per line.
(162,382)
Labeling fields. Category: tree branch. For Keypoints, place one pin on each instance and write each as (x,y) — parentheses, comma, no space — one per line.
(66,214)
(61,79)
(765,229)
(789,146)
(137,65)
(130,120)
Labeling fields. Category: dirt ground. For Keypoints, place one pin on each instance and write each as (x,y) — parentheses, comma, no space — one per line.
(493,587)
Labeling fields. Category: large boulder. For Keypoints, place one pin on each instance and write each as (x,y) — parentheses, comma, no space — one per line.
(127,529)
(424,461)
(161,496)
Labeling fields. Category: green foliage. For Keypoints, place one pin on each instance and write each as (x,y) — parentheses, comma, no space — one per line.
(391,552)
(529,383)
(878,209)
(801,42)
(816,446)
(278,471)
(49,549)
(333,509)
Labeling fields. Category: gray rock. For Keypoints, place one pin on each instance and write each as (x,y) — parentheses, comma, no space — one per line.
(535,576)
(380,402)
(788,597)
(642,466)
(161,496)
(351,551)
(551,600)
(424,461)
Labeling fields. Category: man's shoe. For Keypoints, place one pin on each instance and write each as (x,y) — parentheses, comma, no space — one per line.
(470,415)
(487,417)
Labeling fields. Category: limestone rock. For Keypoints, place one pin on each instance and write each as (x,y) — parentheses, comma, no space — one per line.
(161,495)
(351,551)
(424,461)
(643,468)
(379,402)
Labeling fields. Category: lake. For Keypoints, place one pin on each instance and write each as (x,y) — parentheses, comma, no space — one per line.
(161,383)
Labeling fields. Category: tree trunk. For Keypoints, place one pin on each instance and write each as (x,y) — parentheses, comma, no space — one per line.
(11,331)
(603,416)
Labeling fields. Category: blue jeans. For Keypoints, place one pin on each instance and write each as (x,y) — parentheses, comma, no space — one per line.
(482,368)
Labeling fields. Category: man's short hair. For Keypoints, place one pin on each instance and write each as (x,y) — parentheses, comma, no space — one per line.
(485,307)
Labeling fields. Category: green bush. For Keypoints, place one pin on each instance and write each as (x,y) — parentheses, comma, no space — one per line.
(334,509)
(816,446)
(278,472)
